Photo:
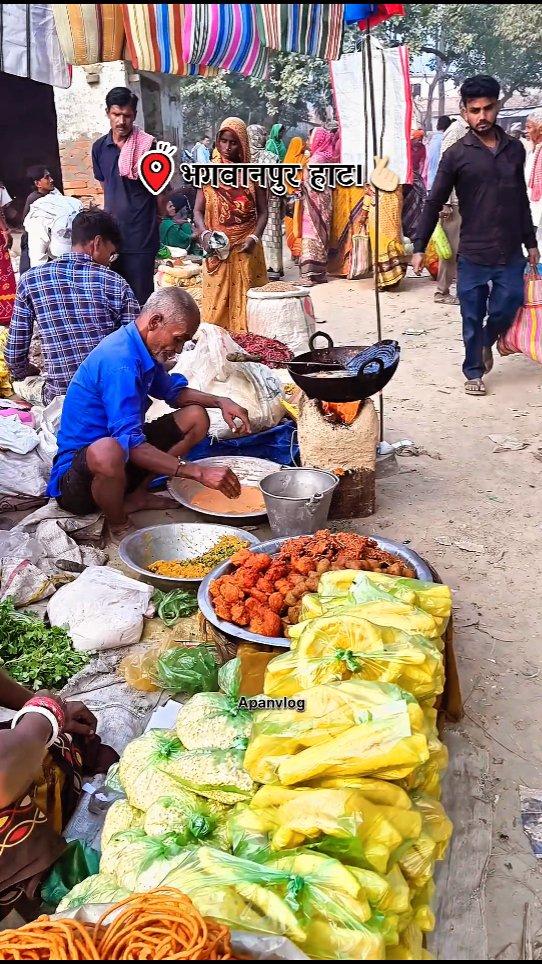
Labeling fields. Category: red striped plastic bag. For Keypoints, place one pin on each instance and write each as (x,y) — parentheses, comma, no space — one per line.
(525,333)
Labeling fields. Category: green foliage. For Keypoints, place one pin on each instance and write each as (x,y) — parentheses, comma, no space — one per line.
(34,655)
(463,39)
(297,88)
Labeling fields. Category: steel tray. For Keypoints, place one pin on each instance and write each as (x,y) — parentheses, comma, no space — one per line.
(244,635)
(244,466)
(178,540)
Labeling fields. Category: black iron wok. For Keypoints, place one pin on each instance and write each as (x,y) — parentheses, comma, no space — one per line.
(349,388)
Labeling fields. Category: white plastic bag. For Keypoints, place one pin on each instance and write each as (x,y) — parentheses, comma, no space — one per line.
(23,474)
(101,609)
(16,436)
(48,429)
(250,384)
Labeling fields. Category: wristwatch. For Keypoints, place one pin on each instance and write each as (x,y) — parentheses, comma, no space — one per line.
(181,464)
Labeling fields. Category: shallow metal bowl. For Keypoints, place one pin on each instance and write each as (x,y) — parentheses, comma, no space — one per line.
(184,540)
(398,549)
(246,468)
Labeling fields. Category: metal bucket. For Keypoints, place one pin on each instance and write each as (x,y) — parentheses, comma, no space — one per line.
(298,500)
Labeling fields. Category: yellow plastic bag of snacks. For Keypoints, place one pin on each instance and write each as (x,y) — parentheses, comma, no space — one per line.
(344,646)
(349,728)
(337,822)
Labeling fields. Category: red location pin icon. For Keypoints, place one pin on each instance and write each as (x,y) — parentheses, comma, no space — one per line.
(156,167)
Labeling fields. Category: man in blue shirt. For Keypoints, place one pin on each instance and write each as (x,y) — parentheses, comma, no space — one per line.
(126,198)
(106,451)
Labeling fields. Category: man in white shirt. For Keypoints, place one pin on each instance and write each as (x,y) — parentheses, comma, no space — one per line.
(48,225)
(202,150)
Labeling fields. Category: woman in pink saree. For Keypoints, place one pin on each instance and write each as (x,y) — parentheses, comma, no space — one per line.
(317,207)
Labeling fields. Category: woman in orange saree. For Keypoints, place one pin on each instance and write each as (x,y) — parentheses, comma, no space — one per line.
(241,214)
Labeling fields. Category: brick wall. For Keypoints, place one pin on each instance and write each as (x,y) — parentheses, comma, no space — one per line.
(76,162)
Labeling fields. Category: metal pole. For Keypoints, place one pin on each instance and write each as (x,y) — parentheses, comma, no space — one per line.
(377,213)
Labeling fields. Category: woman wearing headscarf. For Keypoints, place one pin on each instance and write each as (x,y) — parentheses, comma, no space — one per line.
(241,214)
(415,193)
(272,236)
(275,144)
(317,210)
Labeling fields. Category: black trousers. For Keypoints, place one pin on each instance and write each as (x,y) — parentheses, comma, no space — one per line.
(138,270)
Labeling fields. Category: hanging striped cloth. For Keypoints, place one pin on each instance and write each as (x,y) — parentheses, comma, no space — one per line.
(154,37)
(315,29)
(226,36)
(90,33)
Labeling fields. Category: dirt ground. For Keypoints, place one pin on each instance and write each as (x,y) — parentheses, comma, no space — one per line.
(473,513)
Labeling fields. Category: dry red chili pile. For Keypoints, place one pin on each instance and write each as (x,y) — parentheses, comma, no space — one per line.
(272,353)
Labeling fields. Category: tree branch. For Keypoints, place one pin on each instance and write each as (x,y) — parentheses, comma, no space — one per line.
(436,53)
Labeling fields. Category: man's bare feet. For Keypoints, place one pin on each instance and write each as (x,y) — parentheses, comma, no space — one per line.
(117,533)
(139,500)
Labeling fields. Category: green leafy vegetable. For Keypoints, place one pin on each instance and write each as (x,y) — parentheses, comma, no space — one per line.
(174,605)
(34,655)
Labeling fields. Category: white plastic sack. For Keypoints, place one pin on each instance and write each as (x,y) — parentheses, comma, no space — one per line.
(23,474)
(48,429)
(16,436)
(250,384)
(286,316)
(101,609)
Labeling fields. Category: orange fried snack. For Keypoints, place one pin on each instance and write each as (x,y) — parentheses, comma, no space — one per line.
(264,592)
(162,925)
(49,940)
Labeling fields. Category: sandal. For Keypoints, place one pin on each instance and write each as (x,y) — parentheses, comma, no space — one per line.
(442,299)
(475,386)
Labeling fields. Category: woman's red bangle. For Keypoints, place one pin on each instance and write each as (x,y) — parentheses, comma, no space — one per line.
(54,707)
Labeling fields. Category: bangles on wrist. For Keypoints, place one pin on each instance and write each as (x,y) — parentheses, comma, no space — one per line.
(51,709)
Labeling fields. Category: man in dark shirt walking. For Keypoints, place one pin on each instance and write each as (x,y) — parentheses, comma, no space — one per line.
(486,167)
(126,198)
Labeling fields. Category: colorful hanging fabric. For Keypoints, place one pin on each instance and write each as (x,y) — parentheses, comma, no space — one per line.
(154,33)
(354,12)
(393,107)
(224,35)
(29,45)
(315,29)
(383,12)
(90,33)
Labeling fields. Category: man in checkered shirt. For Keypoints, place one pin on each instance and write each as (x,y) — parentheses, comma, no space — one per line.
(72,302)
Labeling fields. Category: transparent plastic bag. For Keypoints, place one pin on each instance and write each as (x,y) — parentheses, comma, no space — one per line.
(210,720)
(308,898)
(349,728)
(190,818)
(139,665)
(146,767)
(353,587)
(341,823)
(187,669)
(345,646)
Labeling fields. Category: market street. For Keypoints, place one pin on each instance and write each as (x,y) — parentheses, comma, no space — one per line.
(463,492)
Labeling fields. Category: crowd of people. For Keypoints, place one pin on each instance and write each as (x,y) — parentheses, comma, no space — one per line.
(85,291)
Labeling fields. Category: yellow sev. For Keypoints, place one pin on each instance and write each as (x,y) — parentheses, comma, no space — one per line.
(201,565)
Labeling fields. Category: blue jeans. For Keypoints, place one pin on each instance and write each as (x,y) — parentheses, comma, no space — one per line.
(476,300)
